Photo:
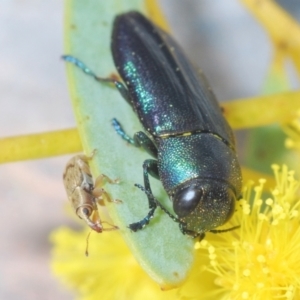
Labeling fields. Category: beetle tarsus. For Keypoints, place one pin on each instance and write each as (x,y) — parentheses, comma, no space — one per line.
(141,224)
(120,131)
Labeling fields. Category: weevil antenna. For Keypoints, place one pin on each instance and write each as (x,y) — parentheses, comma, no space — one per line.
(87,244)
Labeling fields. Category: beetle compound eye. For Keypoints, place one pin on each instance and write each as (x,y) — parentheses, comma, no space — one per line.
(186,200)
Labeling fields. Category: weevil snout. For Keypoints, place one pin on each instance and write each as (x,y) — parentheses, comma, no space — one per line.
(84,212)
(203,205)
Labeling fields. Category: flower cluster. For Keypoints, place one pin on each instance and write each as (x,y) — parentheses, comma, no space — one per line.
(257,261)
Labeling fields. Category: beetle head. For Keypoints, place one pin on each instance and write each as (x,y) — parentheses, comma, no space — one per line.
(202,205)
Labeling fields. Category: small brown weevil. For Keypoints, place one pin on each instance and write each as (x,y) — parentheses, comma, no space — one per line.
(84,194)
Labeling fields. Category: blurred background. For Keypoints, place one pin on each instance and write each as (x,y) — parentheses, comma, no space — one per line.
(219,36)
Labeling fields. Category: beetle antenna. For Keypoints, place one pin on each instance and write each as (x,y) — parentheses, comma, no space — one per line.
(224,230)
(149,194)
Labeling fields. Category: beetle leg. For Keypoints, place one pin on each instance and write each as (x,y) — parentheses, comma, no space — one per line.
(150,167)
(182,227)
(119,85)
(123,91)
(139,225)
(120,131)
(148,192)
(140,139)
(224,230)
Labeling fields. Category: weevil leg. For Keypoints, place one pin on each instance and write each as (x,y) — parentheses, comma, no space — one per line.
(113,227)
(100,193)
(102,179)
(140,139)
(119,85)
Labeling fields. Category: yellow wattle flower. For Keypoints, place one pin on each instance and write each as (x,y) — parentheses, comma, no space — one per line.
(257,261)
(109,272)
(260,260)
(292,129)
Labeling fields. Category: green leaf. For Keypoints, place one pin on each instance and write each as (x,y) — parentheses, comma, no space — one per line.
(161,249)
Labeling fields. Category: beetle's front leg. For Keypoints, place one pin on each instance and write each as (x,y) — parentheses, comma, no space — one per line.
(149,167)
(145,221)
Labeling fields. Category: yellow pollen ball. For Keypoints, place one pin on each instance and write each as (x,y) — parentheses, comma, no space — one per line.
(211,249)
(203,243)
(246,209)
(213,263)
(197,245)
(262,217)
(261,259)
(266,270)
(259,202)
(277,209)
(260,285)
(275,167)
(212,256)
(294,213)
